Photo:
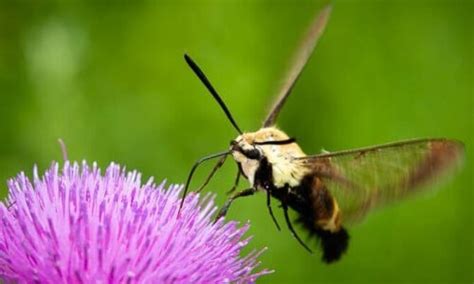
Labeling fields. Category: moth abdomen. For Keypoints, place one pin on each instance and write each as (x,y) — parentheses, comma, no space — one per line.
(320,215)
(333,243)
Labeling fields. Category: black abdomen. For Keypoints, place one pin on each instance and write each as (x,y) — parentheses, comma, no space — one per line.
(315,205)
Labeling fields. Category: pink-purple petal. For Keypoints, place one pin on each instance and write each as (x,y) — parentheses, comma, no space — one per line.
(79,226)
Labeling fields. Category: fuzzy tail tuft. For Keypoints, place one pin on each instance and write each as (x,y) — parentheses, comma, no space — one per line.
(333,244)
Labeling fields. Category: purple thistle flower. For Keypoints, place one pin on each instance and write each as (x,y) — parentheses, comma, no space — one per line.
(78,226)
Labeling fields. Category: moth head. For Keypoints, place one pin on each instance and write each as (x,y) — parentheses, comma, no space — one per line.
(243,150)
(250,145)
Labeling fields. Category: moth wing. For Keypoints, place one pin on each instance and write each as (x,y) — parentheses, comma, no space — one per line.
(363,179)
(302,55)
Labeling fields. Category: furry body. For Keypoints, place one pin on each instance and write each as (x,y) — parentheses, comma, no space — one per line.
(276,169)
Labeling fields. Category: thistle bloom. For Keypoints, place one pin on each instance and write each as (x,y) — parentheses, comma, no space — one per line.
(78,226)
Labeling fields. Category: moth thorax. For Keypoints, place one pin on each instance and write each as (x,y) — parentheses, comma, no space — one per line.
(282,158)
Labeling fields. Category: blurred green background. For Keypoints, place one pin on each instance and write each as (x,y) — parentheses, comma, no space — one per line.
(111,81)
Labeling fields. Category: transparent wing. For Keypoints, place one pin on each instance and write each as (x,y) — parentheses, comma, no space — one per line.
(363,179)
(302,55)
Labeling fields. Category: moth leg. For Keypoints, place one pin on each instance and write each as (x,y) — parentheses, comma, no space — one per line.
(269,206)
(225,207)
(290,227)
(219,164)
(236,182)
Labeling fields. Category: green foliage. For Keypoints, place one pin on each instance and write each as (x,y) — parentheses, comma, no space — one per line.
(111,81)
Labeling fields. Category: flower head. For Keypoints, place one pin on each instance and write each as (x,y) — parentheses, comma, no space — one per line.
(79,226)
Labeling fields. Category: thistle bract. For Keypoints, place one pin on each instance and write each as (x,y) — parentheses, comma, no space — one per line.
(76,225)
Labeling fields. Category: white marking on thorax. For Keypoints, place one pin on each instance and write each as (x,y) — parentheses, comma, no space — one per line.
(249,166)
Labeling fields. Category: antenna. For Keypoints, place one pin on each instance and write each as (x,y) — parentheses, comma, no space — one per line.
(211,89)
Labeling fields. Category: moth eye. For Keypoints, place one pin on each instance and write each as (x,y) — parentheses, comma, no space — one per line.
(252,154)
